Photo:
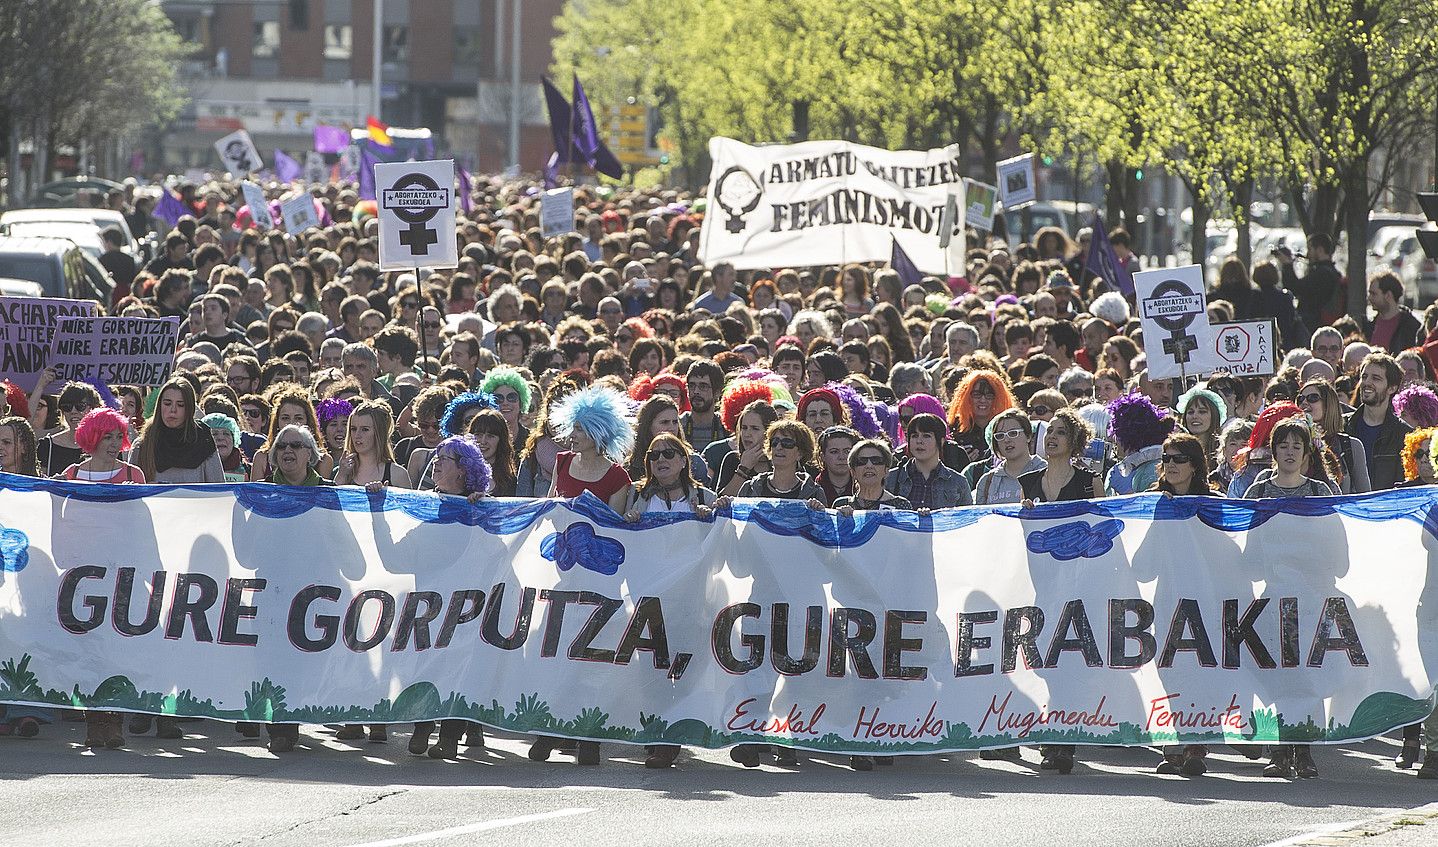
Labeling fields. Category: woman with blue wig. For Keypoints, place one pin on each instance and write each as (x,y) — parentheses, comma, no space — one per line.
(455,421)
(459,470)
(594,422)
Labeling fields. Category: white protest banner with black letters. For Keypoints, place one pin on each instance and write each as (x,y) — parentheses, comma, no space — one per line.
(1174,316)
(299,214)
(115,351)
(416,215)
(1016,181)
(881,632)
(27,329)
(556,211)
(825,203)
(237,151)
(259,208)
(1243,348)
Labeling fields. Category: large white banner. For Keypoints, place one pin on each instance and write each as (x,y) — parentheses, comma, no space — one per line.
(826,203)
(1126,621)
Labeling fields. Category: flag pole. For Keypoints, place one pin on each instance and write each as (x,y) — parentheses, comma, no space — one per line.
(419,327)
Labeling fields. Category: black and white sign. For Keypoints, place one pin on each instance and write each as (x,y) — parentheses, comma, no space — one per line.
(238,152)
(259,208)
(299,214)
(416,215)
(826,203)
(1243,348)
(315,170)
(1174,316)
(556,211)
(1016,181)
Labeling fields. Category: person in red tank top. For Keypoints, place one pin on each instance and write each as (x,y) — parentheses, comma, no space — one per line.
(600,435)
(595,422)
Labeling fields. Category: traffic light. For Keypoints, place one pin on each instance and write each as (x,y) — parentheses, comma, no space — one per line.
(1428,238)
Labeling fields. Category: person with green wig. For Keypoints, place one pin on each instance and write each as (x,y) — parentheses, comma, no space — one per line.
(513,394)
(1203,414)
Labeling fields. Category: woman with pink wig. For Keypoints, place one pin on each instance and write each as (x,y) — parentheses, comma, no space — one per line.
(103,434)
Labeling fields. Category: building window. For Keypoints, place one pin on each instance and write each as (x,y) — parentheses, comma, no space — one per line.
(396,43)
(267,39)
(300,14)
(339,41)
(470,47)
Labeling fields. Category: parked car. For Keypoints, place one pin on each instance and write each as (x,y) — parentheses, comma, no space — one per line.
(100,219)
(1039,216)
(1420,274)
(64,192)
(19,288)
(60,268)
(85,236)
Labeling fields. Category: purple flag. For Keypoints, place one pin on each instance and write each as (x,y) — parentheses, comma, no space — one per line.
(170,209)
(1103,262)
(908,272)
(551,170)
(466,202)
(286,169)
(331,139)
(587,146)
(366,172)
(559,123)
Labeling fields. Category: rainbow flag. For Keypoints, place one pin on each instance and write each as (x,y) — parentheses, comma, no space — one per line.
(378,132)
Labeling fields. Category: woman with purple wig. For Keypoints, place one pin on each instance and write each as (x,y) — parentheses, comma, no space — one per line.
(459,470)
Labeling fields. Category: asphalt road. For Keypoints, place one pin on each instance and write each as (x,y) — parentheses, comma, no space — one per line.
(215,788)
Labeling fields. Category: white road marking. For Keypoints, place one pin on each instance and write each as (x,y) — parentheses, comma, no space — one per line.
(483,826)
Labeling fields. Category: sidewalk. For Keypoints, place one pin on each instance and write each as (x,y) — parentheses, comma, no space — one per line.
(1413,828)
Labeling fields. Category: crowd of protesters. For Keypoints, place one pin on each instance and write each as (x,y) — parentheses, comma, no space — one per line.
(611,361)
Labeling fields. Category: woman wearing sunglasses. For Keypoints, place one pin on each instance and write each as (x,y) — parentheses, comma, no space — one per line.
(512,393)
(59,450)
(1320,402)
(667,485)
(789,447)
(1009,436)
(869,462)
(1184,473)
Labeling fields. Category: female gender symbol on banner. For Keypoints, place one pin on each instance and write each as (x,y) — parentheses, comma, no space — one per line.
(1173,306)
(416,215)
(1174,317)
(416,199)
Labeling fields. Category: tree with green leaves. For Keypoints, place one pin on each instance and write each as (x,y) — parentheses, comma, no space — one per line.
(73,70)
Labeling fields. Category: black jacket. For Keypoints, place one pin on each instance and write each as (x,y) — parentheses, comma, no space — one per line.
(1317,291)
(1385,462)
(1407,334)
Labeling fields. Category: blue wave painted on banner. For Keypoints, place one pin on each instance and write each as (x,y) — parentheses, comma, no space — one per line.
(1076,539)
(780,517)
(14,550)
(578,544)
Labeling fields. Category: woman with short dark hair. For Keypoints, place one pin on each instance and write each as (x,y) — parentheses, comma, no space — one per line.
(58,451)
